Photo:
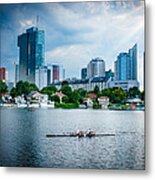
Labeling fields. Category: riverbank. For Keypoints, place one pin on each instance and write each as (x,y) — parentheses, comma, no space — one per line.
(74,106)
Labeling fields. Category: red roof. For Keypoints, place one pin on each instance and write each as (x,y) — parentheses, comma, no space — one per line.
(92,95)
(60,94)
(85,99)
(104,97)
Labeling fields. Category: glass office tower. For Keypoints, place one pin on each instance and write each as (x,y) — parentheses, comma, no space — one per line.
(31,53)
(126,65)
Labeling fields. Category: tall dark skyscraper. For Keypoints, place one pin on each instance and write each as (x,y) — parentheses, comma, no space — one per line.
(56,73)
(83,73)
(126,65)
(31,53)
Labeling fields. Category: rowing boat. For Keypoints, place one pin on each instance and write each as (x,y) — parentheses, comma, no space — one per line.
(75,135)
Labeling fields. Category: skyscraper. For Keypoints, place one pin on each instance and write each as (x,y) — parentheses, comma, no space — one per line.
(109,74)
(41,78)
(3,74)
(83,73)
(132,63)
(56,73)
(96,68)
(49,76)
(16,66)
(121,66)
(63,74)
(126,65)
(31,53)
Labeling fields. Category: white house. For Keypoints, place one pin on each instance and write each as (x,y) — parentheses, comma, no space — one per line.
(39,99)
(20,100)
(104,102)
(88,102)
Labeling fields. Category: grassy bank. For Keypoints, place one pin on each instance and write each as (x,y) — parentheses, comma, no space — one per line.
(67,105)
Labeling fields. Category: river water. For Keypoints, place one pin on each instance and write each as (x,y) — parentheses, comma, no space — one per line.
(23,140)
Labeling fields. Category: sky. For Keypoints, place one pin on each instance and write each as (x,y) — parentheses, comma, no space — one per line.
(75,32)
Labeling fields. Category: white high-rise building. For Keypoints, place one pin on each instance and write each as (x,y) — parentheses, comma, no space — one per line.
(96,68)
(41,77)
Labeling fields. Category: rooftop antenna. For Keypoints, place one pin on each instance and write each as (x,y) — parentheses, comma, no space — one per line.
(37,21)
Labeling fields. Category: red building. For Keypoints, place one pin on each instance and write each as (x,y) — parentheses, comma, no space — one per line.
(2,74)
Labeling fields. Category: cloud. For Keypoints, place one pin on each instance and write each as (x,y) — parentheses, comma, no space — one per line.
(73,57)
(104,32)
(25,23)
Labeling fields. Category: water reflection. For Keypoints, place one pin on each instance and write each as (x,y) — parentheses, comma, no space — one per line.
(27,144)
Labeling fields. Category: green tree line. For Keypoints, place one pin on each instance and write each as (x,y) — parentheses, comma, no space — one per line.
(116,95)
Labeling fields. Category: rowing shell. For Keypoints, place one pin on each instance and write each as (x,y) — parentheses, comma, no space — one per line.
(74,135)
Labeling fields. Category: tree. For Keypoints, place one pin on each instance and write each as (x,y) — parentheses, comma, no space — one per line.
(67,90)
(96,90)
(143,95)
(23,88)
(33,87)
(13,92)
(49,90)
(96,105)
(3,88)
(118,95)
(82,92)
(65,99)
(106,92)
(55,98)
(74,97)
(134,92)
(64,83)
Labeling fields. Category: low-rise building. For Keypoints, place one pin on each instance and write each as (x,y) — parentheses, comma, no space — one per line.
(20,100)
(88,102)
(125,85)
(103,102)
(86,84)
(38,98)
(6,98)
(60,95)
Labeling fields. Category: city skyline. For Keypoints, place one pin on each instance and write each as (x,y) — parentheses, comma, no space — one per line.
(76,32)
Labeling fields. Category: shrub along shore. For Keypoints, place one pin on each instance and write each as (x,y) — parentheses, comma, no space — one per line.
(74,98)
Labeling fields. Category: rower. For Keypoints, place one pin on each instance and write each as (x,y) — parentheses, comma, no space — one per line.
(90,132)
(79,133)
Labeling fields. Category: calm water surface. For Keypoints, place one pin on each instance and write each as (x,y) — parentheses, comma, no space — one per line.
(23,139)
